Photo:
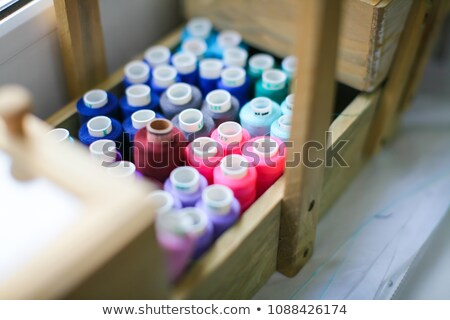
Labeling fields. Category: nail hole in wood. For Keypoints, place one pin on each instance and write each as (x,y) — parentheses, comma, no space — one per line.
(311,205)
(305,253)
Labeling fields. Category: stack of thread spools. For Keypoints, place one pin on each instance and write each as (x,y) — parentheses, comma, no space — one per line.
(206,121)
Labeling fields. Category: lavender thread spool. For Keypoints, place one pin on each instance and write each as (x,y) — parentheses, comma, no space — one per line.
(194,124)
(186,184)
(179,97)
(221,106)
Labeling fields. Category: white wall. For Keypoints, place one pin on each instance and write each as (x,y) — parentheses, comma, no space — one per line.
(29,49)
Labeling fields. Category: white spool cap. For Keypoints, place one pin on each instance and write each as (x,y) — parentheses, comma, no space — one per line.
(260,62)
(261,106)
(157,56)
(191,120)
(122,169)
(230,132)
(179,94)
(265,147)
(285,123)
(218,101)
(233,76)
(99,126)
(196,46)
(211,68)
(229,39)
(235,57)
(162,201)
(199,27)
(218,197)
(59,134)
(138,95)
(274,79)
(234,166)
(204,147)
(137,71)
(141,118)
(194,221)
(290,99)
(164,76)
(184,62)
(104,151)
(95,99)
(185,179)
(289,65)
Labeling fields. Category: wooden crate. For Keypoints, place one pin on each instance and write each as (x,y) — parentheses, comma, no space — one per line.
(369,35)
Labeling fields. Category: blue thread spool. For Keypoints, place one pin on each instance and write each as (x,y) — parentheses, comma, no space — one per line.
(136,72)
(221,106)
(235,81)
(186,65)
(273,85)
(194,124)
(138,120)
(60,135)
(257,64)
(201,28)
(97,103)
(179,97)
(209,75)
(235,57)
(288,104)
(138,97)
(225,39)
(100,127)
(196,46)
(281,128)
(163,77)
(157,56)
(257,116)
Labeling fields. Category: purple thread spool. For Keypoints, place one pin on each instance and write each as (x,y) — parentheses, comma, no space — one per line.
(186,65)
(179,97)
(221,207)
(162,78)
(209,75)
(235,81)
(186,184)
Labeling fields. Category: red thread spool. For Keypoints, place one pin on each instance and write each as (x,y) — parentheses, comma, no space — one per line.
(236,173)
(204,154)
(158,149)
(268,156)
(231,137)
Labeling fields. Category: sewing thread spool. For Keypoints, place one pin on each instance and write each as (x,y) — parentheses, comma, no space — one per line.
(288,104)
(105,152)
(281,128)
(235,57)
(225,39)
(221,207)
(185,184)
(162,78)
(138,120)
(157,56)
(194,124)
(204,154)
(258,115)
(60,135)
(273,85)
(97,103)
(200,28)
(186,65)
(136,72)
(235,81)
(179,97)
(158,149)
(176,241)
(257,64)
(209,74)
(289,66)
(268,156)
(123,170)
(231,136)
(163,202)
(221,106)
(235,172)
(101,127)
(196,46)
(138,97)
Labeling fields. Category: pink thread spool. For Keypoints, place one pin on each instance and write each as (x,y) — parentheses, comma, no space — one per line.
(236,173)
(204,154)
(231,136)
(268,156)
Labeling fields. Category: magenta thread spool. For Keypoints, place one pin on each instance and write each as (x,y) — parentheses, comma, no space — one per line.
(209,74)
(163,202)
(163,77)
(268,156)
(221,106)
(231,136)
(235,57)
(194,124)
(136,72)
(179,97)
(235,81)
(105,152)
(157,56)
(222,208)
(196,46)
(186,65)
(186,184)
(204,154)
(236,173)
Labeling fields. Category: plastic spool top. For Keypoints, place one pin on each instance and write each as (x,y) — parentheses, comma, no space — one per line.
(103,150)
(184,62)
(234,166)
(137,71)
(261,106)
(138,95)
(179,94)
(122,169)
(141,118)
(261,62)
(59,134)
(233,76)
(229,39)
(218,101)
(196,46)
(99,126)
(164,76)
(185,179)
(274,79)
(157,56)
(95,99)
(199,27)
(230,132)
(218,197)
(161,200)
(204,147)
(211,68)
(191,120)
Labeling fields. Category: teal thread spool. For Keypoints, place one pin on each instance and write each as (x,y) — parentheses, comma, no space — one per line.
(258,114)
(281,128)
(257,64)
(289,66)
(288,104)
(273,85)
